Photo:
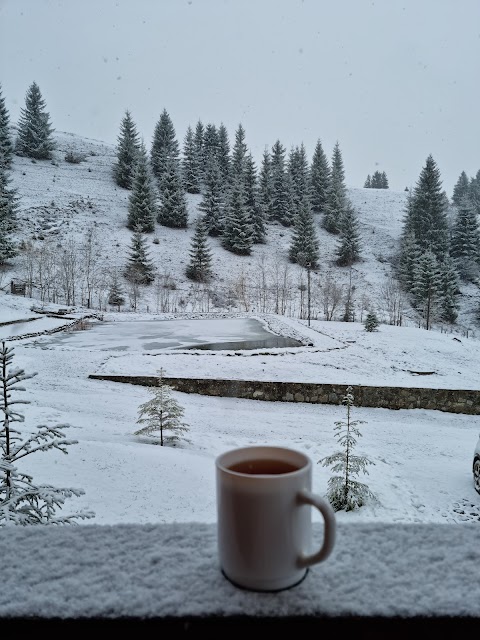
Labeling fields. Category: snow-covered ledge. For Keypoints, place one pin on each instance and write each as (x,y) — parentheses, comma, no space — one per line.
(389,576)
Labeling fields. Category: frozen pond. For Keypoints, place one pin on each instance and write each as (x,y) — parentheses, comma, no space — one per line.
(156,335)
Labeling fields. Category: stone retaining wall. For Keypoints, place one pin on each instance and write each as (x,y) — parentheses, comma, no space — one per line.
(450,400)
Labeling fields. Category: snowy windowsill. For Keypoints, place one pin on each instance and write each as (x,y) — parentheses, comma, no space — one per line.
(170,572)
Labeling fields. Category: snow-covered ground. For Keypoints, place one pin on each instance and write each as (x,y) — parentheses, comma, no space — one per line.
(422,459)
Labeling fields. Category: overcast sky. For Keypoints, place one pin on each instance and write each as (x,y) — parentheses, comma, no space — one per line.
(390,81)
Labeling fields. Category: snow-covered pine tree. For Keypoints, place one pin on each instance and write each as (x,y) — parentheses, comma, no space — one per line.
(461,189)
(348,250)
(198,144)
(371,322)
(164,146)
(427,288)
(212,202)
(474,191)
(304,248)
(8,248)
(223,154)
(200,267)
(22,502)
(257,219)
(190,167)
(9,202)
(142,202)
(449,290)
(6,145)
(336,195)
(173,211)
(128,148)
(162,414)
(319,178)
(384,181)
(34,133)
(139,268)
(265,187)
(344,491)
(280,201)
(237,235)
(426,215)
(239,157)
(115,294)
(368,182)
(465,240)
(210,144)
(298,171)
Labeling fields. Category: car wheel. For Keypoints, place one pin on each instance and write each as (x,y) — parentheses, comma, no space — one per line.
(476,475)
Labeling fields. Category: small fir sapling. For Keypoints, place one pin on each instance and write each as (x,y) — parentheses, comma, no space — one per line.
(161,414)
(371,322)
(22,502)
(344,490)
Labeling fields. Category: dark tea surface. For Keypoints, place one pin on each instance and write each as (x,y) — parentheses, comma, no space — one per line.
(263,467)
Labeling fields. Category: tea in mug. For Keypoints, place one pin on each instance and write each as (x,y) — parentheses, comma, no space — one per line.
(263,467)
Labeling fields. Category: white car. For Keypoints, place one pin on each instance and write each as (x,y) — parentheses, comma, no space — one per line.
(476,466)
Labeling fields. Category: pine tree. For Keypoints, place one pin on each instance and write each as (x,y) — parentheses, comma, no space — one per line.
(139,268)
(427,287)
(299,176)
(21,501)
(8,249)
(426,214)
(449,290)
(465,240)
(348,250)
(345,492)
(379,180)
(190,167)
(223,155)
(337,194)
(34,139)
(280,201)
(368,182)
(237,235)
(9,202)
(371,322)
(115,295)
(319,178)
(304,248)
(128,148)
(164,146)
(212,202)
(461,189)
(265,187)
(6,145)
(239,157)
(200,267)
(142,204)
(257,219)
(198,145)
(474,192)
(162,414)
(210,144)
(173,210)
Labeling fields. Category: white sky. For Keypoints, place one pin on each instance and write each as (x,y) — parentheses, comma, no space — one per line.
(391,81)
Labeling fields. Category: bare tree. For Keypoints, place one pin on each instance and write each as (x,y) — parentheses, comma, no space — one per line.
(331,295)
(393,301)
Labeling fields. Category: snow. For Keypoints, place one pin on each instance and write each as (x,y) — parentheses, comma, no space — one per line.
(421,474)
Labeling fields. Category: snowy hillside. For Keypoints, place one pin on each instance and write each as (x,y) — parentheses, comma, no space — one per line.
(61,201)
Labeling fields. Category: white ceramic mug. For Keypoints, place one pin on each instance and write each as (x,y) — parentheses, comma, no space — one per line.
(264,517)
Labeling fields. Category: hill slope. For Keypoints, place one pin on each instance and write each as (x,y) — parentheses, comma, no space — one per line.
(61,202)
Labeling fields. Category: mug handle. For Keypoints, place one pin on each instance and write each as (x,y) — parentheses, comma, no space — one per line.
(307,497)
